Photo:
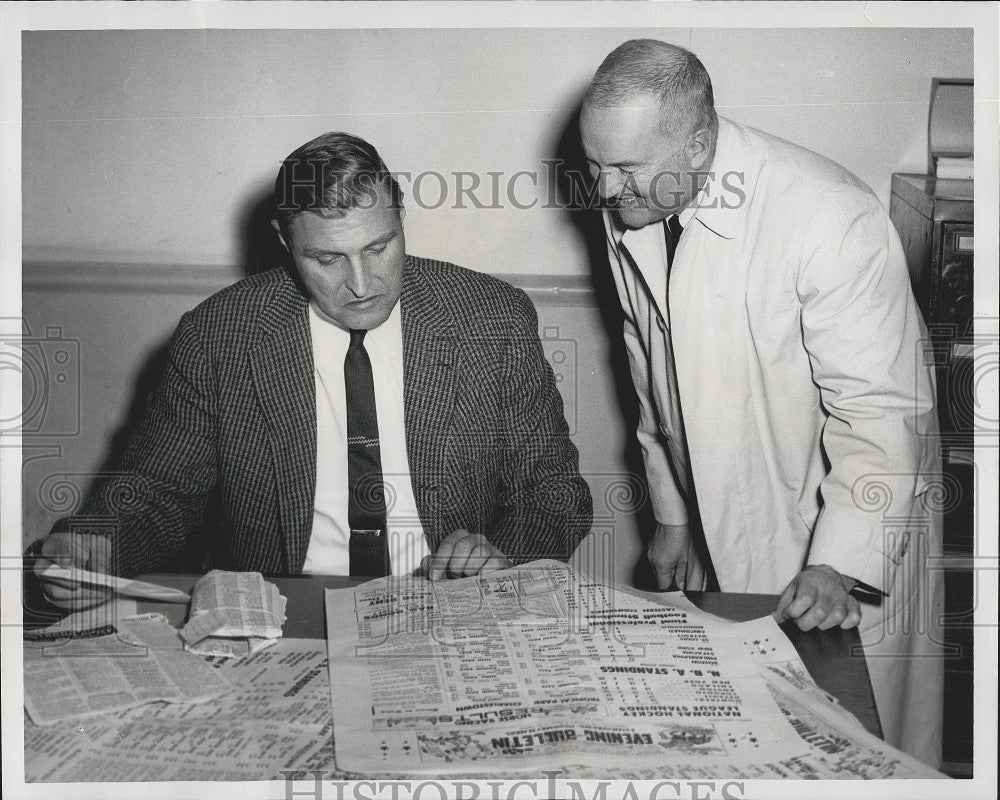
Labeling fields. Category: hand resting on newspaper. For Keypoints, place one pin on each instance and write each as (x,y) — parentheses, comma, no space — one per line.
(461,555)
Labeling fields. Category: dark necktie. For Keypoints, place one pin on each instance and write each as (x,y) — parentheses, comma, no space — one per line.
(369,547)
(674,230)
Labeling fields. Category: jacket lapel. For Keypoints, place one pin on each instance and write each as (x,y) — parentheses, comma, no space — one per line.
(701,281)
(281,364)
(429,382)
(647,248)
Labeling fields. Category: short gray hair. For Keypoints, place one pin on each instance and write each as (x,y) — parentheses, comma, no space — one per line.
(649,66)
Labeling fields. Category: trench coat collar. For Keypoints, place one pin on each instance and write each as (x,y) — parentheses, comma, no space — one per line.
(720,208)
(722,204)
(648,251)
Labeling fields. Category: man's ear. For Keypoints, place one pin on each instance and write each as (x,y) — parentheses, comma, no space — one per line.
(281,236)
(699,148)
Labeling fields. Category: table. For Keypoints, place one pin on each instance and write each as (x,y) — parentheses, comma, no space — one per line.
(834,658)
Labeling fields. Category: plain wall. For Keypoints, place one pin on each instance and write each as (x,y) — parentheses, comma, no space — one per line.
(149,145)
(148,157)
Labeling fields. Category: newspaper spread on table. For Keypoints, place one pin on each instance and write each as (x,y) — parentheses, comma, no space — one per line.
(76,673)
(535,666)
(233,614)
(839,746)
(276,717)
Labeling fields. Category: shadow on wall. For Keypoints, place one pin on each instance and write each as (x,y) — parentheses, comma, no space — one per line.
(572,185)
(260,251)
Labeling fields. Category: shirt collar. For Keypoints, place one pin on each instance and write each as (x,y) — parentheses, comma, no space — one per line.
(684,218)
(382,335)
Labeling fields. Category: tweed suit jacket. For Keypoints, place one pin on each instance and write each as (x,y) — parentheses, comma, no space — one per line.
(234,421)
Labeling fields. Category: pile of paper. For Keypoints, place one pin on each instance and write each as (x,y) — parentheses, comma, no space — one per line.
(70,674)
(503,676)
(276,717)
(233,614)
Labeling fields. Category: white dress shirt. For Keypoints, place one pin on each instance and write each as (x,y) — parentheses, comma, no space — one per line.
(328,552)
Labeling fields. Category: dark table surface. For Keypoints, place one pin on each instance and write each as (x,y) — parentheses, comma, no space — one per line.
(834,658)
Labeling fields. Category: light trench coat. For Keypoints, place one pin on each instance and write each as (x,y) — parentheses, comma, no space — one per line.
(806,395)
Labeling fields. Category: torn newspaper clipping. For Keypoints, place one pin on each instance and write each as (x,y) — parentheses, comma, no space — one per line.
(121,586)
(233,614)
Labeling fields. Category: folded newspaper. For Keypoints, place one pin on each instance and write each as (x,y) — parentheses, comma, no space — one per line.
(233,614)
(76,673)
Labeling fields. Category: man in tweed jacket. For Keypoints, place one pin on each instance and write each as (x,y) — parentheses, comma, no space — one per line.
(494,474)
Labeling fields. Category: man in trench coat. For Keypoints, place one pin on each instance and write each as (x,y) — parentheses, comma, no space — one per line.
(786,405)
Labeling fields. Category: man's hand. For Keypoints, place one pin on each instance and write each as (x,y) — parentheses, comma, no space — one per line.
(818,598)
(674,559)
(73,550)
(462,554)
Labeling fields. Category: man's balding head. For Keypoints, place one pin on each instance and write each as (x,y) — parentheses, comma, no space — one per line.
(648,128)
(650,67)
